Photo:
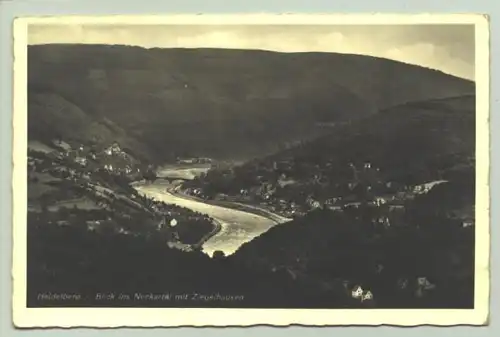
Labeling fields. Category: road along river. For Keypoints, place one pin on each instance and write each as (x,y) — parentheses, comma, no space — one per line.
(237,227)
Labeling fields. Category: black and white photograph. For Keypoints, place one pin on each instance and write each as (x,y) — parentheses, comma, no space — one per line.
(332,164)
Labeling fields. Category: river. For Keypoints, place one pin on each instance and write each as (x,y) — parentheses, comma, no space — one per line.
(238,227)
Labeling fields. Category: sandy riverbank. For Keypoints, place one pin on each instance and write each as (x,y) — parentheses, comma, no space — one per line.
(233,205)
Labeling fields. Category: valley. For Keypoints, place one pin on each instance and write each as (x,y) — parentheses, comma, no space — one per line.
(289,180)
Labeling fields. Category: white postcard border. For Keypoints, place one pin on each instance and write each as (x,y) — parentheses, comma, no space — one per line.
(148,317)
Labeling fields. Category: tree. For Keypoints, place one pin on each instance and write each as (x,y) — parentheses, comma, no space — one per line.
(150,175)
(219,255)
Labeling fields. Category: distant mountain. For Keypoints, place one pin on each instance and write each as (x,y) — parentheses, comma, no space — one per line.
(213,102)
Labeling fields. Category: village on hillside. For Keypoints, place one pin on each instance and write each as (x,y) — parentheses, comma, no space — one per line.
(290,191)
(70,184)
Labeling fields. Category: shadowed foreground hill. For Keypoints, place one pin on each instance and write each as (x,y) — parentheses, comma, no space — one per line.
(412,144)
(215,102)
(71,260)
(328,250)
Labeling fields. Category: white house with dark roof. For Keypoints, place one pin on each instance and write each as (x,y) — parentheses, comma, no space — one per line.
(467,223)
(367,296)
(357,292)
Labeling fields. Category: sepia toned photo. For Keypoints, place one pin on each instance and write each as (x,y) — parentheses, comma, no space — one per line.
(238,170)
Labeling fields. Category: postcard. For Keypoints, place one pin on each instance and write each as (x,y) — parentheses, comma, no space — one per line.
(250,169)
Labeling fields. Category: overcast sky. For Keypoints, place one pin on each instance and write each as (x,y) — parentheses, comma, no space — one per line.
(449,48)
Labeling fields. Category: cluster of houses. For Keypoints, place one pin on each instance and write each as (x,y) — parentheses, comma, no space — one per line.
(61,163)
(78,164)
(272,194)
(361,294)
(420,287)
(112,159)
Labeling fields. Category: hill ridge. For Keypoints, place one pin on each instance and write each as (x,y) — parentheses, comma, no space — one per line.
(242,98)
(257,50)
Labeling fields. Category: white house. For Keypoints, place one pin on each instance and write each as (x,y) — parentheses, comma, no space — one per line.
(93,225)
(467,223)
(384,221)
(367,296)
(423,283)
(357,292)
(379,201)
(123,231)
(82,161)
